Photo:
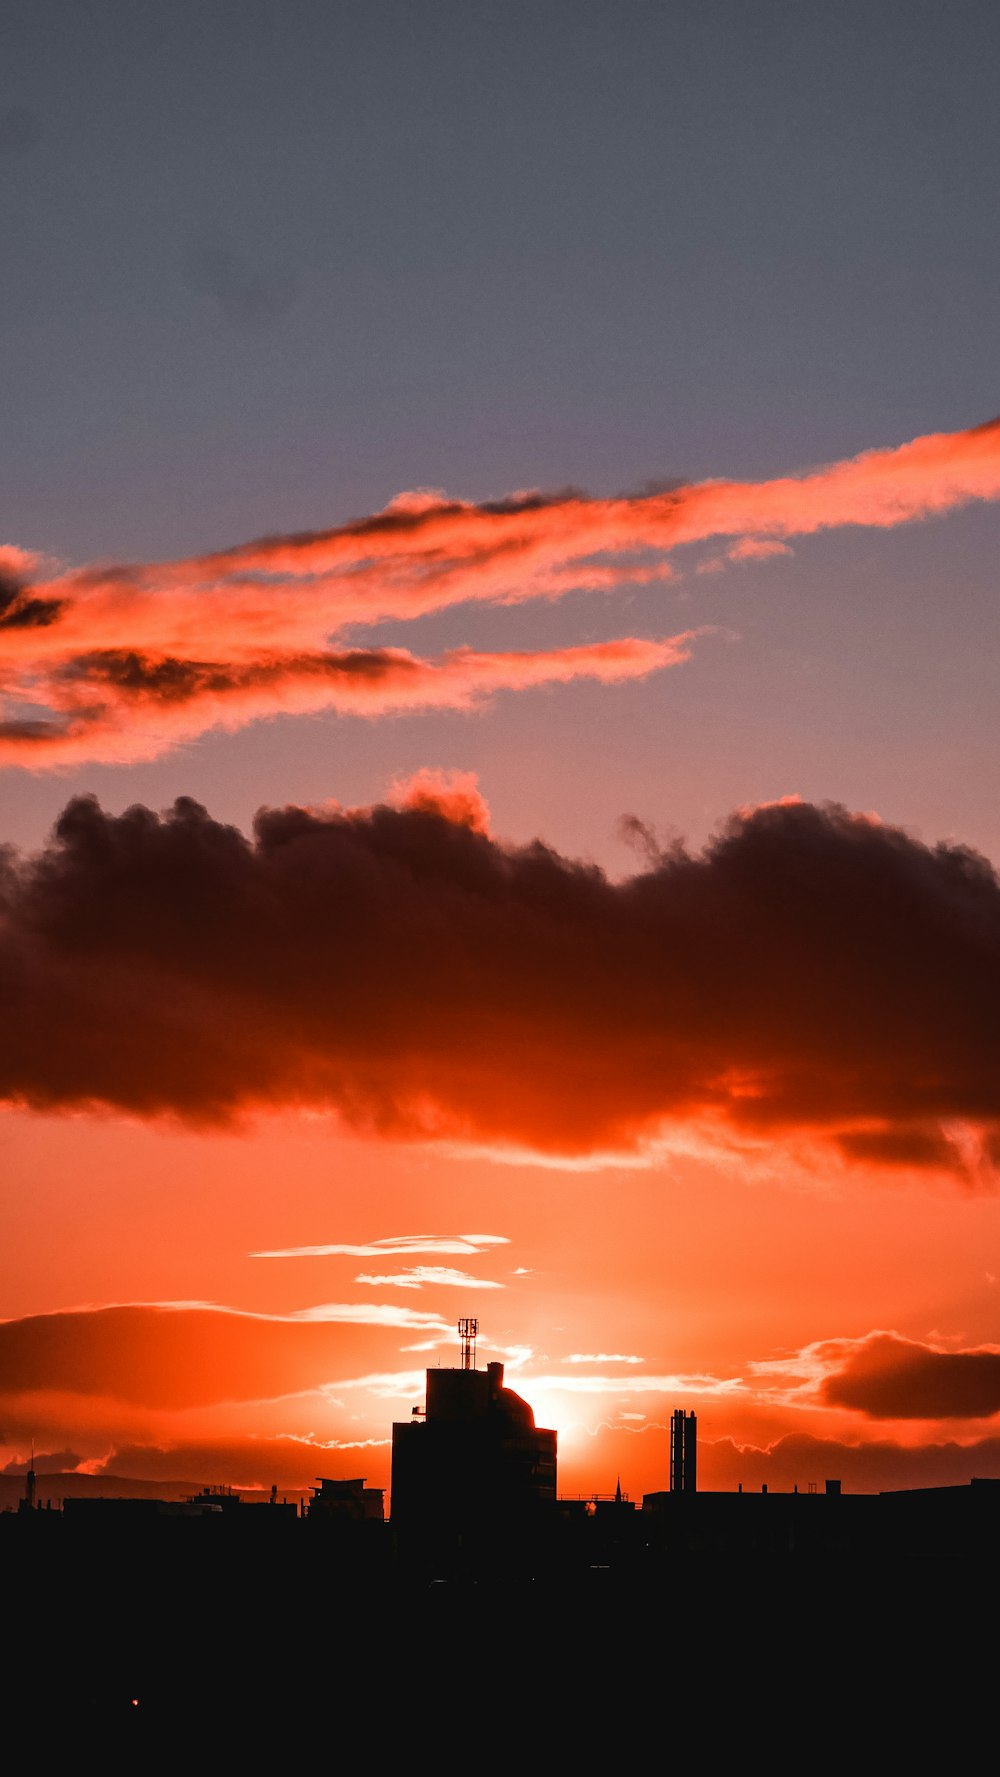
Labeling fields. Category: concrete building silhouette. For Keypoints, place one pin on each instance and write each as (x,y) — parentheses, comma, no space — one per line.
(472,1475)
(350,1500)
(27,1501)
(683,1452)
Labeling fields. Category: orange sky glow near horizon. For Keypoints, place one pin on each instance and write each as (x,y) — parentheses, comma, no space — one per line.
(678,1070)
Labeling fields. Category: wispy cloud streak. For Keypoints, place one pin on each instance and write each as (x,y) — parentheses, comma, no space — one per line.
(393,1246)
(418,1277)
(118,704)
(119,661)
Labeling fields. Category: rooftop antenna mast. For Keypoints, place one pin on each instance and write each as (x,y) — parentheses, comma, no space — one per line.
(468,1332)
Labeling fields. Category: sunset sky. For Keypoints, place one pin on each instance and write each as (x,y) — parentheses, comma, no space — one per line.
(499,769)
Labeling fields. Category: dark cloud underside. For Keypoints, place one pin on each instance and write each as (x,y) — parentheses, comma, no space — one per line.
(811,970)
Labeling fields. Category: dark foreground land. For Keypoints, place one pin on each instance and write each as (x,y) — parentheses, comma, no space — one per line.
(194,1644)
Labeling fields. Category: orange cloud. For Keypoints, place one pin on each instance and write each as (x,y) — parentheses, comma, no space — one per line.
(453,794)
(117,704)
(166,1356)
(930,475)
(247,1462)
(125,659)
(798,1460)
(169,1468)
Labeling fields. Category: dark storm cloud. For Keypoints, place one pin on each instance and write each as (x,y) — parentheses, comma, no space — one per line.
(810,971)
(46,1462)
(887,1377)
(905,1145)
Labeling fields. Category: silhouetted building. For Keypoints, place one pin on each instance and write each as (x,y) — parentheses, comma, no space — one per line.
(350,1500)
(347,1530)
(210,1502)
(683,1452)
(220,1503)
(472,1471)
(952,1523)
(27,1500)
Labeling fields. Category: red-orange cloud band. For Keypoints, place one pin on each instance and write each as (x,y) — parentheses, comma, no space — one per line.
(125,659)
(811,971)
(116,704)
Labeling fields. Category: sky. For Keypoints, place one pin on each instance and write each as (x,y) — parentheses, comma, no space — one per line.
(498,745)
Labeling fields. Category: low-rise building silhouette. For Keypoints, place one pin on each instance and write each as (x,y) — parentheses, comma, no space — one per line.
(347,1500)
